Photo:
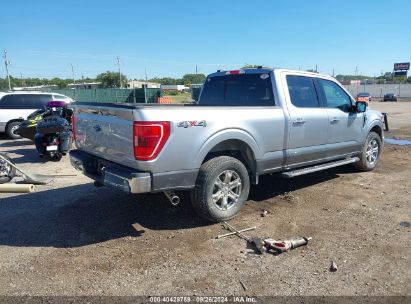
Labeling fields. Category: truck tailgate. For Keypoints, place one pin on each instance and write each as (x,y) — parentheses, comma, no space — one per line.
(106,131)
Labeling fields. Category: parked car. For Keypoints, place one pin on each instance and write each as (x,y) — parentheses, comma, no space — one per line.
(365,97)
(246,123)
(390,97)
(17,106)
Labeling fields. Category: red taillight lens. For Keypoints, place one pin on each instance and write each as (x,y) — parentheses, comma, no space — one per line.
(235,72)
(149,138)
(73,127)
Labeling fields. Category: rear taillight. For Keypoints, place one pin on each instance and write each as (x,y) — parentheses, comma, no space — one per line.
(73,126)
(235,72)
(149,138)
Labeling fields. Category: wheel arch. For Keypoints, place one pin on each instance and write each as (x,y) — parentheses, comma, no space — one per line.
(377,129)
(239,145)
(13,120)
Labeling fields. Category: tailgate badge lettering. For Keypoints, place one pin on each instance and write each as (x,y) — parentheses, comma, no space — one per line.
(192,123)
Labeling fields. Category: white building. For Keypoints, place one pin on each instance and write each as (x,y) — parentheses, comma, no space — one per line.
(174,87)
(137,84)
(84,85)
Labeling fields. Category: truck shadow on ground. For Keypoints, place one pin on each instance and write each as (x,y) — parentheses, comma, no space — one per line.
(80,215)
(270,186)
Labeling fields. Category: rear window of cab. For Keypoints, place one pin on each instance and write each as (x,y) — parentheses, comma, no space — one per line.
(238,90)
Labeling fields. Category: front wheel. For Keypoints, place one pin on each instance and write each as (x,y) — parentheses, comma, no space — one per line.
(370,154)
(221,189)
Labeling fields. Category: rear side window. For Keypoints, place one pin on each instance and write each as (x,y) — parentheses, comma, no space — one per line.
(25,101)
(238,90)
(302,91)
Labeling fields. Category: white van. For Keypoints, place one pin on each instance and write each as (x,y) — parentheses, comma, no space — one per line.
(16,106)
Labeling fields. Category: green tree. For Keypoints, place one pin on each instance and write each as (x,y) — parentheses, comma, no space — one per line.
(409,79)
(250,66)
(189,79)
(111,79)
(165,80)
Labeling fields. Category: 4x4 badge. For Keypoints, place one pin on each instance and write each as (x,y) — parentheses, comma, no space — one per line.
(192,123)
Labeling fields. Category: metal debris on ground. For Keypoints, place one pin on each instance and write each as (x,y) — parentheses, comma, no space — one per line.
(264,213)
(243,285)
(265,245)
(232,233)
(283,246)
(333,267)
(287,196)
(237,232)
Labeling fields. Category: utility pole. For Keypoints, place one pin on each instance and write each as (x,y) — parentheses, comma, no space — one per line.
(316,68)
(145,87)
(119,71)
(356,70)
(7,63)
(333,72)
(72,73)
(21,79)
(196,69)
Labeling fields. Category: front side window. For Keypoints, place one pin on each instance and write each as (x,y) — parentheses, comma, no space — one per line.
(302,91)
(238,90)
(335,96)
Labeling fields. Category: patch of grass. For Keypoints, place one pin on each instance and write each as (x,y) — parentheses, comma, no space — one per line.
(180,98)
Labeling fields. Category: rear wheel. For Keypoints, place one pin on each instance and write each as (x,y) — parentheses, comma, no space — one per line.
(7,172)
(221,189)
(11,129)
(370,154)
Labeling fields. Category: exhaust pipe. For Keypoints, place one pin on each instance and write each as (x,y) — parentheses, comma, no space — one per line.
(172,197)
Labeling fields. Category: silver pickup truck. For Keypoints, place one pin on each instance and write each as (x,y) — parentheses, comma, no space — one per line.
(245,124)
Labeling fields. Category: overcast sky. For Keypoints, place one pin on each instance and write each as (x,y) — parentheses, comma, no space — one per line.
(169,38)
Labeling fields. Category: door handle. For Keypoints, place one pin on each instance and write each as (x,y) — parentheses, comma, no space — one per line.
(334,120)
(298,121)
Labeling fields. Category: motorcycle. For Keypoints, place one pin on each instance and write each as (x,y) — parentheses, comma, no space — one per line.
(27,128)
(53,136)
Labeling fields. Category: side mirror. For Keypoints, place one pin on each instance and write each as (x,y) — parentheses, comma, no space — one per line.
(361,106)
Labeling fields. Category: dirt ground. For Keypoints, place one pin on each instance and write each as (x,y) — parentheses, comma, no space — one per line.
(70,238)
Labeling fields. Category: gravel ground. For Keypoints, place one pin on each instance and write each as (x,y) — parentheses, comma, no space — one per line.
(69,238)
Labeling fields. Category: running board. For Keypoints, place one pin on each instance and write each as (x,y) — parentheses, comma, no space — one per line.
(303,171)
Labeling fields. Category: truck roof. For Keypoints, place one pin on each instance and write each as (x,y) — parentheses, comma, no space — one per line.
(268,70)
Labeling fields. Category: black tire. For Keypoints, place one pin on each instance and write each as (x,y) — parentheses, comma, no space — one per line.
(7,172)
(236,183)
(368,158)
(56,157)
(11,128)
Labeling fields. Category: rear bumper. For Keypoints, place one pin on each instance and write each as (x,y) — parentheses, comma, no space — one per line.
(111,174)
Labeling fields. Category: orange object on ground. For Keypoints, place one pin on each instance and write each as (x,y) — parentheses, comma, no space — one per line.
(164,100)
